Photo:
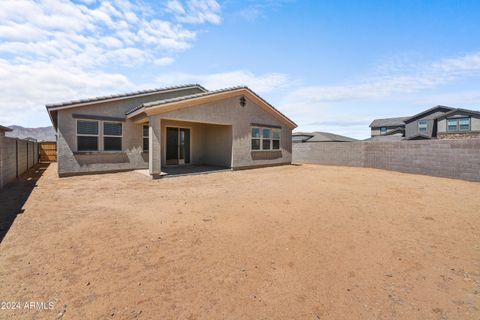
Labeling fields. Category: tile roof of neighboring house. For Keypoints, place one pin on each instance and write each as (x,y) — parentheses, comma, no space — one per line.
(428,111)
(389,122)
(206,94)
(419,136)
(317,136)
(459,110)
(2,128)
(122,95)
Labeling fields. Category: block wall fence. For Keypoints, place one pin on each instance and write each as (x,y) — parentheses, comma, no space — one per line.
(444,158)
(16,157)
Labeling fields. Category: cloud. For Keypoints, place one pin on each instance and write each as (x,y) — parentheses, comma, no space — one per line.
(164,61)
(256,9)
(386,91)
(27,88)
(53,50)
(195,11)
(424,76)
(259,83)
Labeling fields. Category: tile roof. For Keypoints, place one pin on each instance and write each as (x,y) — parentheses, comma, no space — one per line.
(122,95)
(191,96)
(317,136)
(389,122)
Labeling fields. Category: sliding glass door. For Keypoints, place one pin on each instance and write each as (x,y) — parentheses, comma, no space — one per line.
(178,146)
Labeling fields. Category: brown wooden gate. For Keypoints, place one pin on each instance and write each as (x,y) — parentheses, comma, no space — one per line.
(48,151)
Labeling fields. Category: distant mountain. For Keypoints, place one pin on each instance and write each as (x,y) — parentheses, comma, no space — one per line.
(41,134)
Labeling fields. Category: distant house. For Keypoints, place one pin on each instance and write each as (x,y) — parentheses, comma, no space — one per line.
(440,122)
(176,126)
(319,137)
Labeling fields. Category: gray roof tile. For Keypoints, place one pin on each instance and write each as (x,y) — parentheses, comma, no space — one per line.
(121,95)
(389,122)
(317,136)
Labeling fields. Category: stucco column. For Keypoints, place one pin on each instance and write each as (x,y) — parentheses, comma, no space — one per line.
(154,147)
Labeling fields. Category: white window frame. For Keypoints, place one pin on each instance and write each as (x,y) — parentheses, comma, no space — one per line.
(261,138)
(88,135)
(112,136)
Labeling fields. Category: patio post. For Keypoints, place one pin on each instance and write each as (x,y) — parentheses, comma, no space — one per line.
(154,143)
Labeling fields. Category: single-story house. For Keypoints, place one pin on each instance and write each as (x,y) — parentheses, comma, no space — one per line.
(175,126)
(439,122)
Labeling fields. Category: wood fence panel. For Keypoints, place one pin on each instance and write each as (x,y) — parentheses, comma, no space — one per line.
(48,151)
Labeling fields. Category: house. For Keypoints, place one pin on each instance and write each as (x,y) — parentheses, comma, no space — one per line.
(175,126)
(317,136)
(440,122)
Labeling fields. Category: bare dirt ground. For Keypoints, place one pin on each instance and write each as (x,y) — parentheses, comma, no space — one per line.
(292,242)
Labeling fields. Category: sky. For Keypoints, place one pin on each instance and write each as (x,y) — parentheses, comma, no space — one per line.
(328,65)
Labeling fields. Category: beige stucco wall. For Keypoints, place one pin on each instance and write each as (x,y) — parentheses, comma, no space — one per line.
(229,112)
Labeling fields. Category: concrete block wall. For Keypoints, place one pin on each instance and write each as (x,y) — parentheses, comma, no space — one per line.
(444,158)
(16,157)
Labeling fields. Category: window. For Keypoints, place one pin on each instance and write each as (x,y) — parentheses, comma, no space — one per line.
(383,130)
(422,126)
(275,139)
(112,136)
(255,138)
(458,124)
(145,138)
(87,135)
(265,139)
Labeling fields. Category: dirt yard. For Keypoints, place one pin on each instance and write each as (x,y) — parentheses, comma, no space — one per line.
(292,242)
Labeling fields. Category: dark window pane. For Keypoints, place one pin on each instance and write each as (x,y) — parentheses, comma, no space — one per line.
(255,144)
(112,129)
(266,144)
(255,132)
(87,127)
(87,143)
(145,131)
(276,144)
(145,144)
(112,143)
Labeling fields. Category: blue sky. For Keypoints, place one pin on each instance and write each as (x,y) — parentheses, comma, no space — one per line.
(329,65)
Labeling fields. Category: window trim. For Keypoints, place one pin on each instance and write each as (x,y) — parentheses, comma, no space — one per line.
(261,138)
(457,124)
(88,135)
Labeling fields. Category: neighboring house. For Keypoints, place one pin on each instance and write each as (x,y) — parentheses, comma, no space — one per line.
(182,125)
(439,122)
(319,137)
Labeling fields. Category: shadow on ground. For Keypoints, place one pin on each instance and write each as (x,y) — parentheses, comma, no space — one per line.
(15,194)
(181,170)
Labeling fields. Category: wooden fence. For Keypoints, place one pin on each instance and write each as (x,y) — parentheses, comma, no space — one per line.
(48,151)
